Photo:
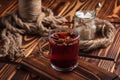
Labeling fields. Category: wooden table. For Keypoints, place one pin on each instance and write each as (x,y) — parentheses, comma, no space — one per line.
(110,10)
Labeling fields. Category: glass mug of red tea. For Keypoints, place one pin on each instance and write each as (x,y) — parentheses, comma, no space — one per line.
(63,49)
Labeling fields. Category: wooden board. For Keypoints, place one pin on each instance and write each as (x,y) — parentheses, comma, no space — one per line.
(85,71)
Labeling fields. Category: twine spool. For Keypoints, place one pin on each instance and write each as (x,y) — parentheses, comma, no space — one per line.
(29,10)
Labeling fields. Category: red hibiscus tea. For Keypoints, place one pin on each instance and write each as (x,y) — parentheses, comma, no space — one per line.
(64,47)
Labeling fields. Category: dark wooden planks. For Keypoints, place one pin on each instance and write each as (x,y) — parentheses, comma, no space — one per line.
(67,8)
(7,6)
(112,51)
(110,10)
(84,71)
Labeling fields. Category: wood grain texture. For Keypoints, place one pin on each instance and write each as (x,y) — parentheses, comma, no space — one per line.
(84,71)
(110,10)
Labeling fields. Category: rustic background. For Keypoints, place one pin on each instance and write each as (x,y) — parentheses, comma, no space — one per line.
(110,10)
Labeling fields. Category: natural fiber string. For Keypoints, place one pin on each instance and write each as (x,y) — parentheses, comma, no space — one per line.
(106,30)
(29,10)
(30,18)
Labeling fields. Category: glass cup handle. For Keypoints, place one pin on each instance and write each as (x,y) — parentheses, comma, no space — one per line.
(43,46)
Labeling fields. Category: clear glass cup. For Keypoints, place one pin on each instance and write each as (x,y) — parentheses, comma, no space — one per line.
(85,24)
(63,49)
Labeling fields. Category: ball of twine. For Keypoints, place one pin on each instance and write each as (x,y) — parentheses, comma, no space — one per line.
(107,32)
(29,10)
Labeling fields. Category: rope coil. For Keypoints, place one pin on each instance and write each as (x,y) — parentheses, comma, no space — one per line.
(32,18)
(26,20)
(106,30)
